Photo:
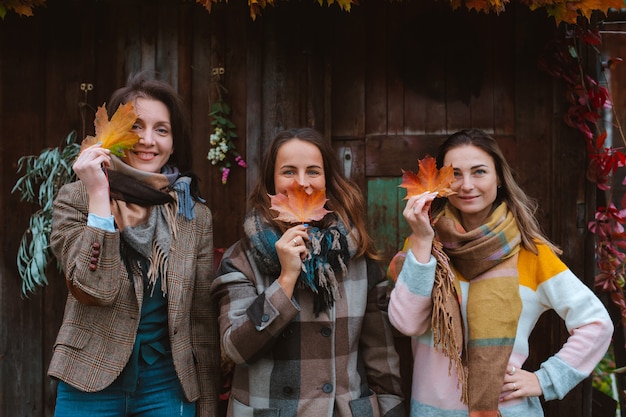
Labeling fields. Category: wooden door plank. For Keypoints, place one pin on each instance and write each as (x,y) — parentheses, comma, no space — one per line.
(166,45)
(200,99)
(184,47)
(348,74)
(503,74)
(382,214)
(233,204)
(316,53)
(387,18)
(254,124)
(388,155)
(149,26)
(377,105)
(128,38)
(422,67)
(482,105)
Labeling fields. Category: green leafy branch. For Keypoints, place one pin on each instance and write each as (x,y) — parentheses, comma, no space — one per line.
(43,176)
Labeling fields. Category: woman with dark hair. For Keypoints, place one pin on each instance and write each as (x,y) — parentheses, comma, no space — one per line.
(303,307)
(140,86)
(477,274)
(139,334)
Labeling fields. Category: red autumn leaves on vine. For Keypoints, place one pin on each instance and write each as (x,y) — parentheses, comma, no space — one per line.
(608,226)
(588,100)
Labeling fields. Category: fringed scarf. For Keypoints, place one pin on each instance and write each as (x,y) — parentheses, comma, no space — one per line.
(487,257)
(145,206)
(329,250)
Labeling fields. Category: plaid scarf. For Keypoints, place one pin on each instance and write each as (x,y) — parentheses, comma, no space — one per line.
(144,206)
(329,250)
(487,257)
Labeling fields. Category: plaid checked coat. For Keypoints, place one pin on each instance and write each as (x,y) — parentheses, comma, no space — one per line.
(103,307)
(290,363)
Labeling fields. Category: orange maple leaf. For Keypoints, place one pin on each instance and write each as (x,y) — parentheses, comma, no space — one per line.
(298,206)
(570,11)
(115,134)
(428,179)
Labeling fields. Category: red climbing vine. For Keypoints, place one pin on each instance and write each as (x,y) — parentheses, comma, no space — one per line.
(589,101)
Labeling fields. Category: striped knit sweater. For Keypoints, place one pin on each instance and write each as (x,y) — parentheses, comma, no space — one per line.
(545,283)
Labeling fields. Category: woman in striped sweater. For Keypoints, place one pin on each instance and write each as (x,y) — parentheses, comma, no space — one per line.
(475,276)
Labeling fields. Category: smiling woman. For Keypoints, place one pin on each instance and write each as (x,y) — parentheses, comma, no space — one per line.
(302,306)
(475,181)
(471,285)
(138,297)
(156,143)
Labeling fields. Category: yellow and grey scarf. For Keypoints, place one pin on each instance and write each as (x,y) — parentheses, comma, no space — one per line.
(487,258)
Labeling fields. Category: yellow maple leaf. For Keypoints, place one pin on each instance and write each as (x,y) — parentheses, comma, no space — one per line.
(115,134)
(428,179)
(297,206)
(569,10)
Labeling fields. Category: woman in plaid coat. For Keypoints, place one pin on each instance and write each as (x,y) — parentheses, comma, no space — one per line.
(303,307)
(139,334)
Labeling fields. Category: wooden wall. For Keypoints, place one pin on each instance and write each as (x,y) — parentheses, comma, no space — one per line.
(386,82)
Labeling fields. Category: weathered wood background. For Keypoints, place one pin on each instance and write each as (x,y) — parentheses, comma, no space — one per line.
(386,83)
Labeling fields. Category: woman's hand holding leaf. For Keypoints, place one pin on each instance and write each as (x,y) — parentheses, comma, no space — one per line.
(297,206)
(112,136)
(422,188)
(417,214)
(291,248)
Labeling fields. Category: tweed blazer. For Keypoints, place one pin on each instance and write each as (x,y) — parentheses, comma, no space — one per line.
(291,363)
(103,306)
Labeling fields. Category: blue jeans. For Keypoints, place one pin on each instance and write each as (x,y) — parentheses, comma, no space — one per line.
(158,394)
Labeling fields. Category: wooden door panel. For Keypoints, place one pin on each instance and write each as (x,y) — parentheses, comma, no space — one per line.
(387,156)
(384,212)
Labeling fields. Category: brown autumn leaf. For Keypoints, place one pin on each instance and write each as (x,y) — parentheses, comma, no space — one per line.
(115,134)
(428,179)
(298,206)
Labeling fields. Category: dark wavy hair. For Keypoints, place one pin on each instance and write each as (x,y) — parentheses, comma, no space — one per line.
(344,197)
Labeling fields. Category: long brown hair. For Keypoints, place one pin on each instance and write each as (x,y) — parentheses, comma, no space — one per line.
(344,197)
(521,205)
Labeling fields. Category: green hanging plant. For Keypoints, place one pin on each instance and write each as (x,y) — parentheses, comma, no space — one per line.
(43,176)
(223,151)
